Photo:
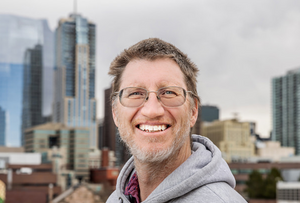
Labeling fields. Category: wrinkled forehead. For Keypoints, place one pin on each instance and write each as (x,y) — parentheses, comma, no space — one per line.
(152,74)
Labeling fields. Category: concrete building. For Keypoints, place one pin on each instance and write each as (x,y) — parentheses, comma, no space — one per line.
(17,34)
(29,183)
(74,98)
(288,192)
(75,139)
(286,109)
(273,151)
(232,137)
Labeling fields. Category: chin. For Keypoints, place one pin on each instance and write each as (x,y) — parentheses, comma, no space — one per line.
(152,155)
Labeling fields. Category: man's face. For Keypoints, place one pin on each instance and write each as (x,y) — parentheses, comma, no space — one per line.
(152,131)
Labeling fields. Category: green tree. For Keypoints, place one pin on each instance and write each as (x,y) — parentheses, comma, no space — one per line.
(255,185)
(269,191)
(1,200)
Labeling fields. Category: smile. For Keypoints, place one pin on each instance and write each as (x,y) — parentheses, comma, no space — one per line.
(153,128)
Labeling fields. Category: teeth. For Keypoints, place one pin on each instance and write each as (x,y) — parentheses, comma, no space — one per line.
(152,128)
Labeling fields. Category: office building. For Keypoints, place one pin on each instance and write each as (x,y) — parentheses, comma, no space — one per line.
(209,113)
(286,109)
(206,113)
(32,114)
(111,138)
(3,127)
(75,140)
(232,137)
(17,34)
(287,192)
(74,98)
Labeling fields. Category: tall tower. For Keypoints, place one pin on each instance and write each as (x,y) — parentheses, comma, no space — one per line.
(3,127)
(32,88)
(17,34)
(286,109)
(74,100)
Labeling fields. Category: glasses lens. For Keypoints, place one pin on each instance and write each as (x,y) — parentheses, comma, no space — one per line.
(132,96)
(172,96)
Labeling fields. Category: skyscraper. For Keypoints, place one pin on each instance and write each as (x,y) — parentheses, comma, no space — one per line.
(32,88)
(3,126)
(17,34)
(286,109)
(74,100)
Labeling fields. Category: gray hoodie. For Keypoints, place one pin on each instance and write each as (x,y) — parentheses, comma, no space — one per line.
(203,178)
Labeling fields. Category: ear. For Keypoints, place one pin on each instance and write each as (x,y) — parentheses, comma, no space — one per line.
(114,115)
(194,115)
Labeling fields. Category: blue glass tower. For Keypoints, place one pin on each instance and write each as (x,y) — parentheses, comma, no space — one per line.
(17,34)
(3,126)
(74,99)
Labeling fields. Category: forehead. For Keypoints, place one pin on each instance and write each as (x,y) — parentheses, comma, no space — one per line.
(152,74)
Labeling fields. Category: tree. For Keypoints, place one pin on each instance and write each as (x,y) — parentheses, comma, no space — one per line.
(270,184)
(255,185)
(259,188)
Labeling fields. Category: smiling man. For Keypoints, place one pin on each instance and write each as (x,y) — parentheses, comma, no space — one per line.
(155,104)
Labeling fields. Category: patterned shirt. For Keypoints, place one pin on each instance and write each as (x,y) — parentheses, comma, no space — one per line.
(132,189)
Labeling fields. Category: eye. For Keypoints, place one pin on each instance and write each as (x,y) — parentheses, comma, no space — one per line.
(168,93)
(134,94)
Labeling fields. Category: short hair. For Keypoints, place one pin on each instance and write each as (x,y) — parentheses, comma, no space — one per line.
(151,49)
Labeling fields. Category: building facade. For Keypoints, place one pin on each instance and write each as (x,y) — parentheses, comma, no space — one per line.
(74,99)
(286,109)
(232,137)
(75,141)
(17,34)
(32,114)
(3,126)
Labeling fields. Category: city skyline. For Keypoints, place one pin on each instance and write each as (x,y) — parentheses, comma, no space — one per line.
(238,46)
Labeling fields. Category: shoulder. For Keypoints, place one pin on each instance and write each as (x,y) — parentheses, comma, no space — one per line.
(113,198)
(219,192)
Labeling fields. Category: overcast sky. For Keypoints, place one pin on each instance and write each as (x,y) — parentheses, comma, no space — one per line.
(237,45)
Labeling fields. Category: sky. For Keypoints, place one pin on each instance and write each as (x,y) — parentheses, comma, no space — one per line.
(238,46)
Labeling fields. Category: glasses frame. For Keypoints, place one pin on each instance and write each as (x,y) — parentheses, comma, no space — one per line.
(119,93)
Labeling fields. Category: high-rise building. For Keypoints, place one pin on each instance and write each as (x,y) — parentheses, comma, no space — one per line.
(3,126)
(206,113)
(17,34)
(209,113)
(110,138)
(286,109)
(32,88)
(74,99)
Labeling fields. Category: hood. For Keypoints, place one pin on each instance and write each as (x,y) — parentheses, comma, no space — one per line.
(205,165)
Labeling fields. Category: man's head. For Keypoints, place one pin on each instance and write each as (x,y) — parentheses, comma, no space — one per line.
(151,49)
(155,100)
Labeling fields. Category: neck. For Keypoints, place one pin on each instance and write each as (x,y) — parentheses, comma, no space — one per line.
(150,175)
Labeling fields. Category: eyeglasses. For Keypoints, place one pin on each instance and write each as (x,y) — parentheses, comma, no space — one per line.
(171,96)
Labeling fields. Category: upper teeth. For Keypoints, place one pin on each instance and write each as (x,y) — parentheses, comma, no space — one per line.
(153,128)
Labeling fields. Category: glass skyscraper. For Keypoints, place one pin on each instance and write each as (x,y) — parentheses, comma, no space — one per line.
(3,124)
(286,109)
(32,88)
(17,34)
(74,98)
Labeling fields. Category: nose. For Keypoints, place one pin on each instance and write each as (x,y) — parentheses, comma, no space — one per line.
(152,108)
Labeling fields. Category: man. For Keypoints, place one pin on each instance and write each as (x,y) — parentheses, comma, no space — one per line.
(155,104)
